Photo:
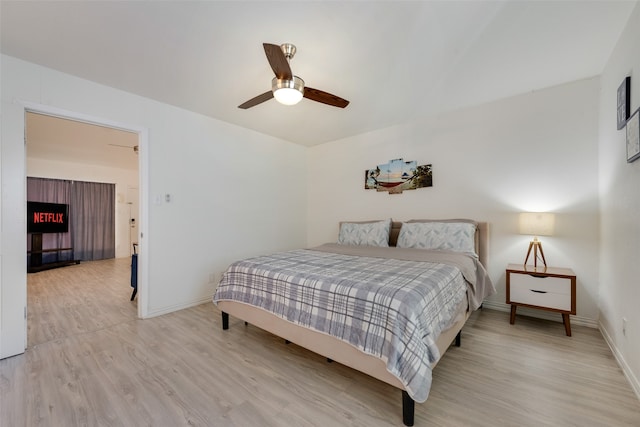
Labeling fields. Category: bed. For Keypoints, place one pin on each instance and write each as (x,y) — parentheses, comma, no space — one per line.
(387,299)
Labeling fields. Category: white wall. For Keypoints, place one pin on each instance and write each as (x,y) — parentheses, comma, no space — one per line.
(122,178)
(620,205)
(534,152)
(228,188)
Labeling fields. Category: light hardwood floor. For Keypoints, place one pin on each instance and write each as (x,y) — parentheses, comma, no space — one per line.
(90,362)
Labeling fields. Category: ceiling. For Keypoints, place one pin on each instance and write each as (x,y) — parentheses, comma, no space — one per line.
(393,60)
(57,139)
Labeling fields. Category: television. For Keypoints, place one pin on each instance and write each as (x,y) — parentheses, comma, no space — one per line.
(47,217)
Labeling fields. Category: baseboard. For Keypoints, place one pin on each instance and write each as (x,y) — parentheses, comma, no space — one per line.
(172,308)
(628,373)
(542,314)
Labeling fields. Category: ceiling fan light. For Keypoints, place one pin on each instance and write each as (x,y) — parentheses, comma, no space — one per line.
(288,92)
(287,96)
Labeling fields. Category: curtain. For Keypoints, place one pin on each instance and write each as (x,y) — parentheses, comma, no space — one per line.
(50,191)
(92,214)
(92,218)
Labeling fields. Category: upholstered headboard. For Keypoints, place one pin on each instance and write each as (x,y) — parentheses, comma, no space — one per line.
(395,231)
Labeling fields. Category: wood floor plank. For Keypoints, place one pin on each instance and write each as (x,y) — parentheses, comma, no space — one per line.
(91,362)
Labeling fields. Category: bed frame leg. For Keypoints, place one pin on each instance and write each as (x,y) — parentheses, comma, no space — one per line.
(408,408)
(458,338)
(225,321)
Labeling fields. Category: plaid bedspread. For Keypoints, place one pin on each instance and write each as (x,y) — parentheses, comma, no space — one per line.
(393,309)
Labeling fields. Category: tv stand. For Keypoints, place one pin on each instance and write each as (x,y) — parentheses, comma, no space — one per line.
(36,252)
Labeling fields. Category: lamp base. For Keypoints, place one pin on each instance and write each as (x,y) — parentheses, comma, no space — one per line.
(536,245)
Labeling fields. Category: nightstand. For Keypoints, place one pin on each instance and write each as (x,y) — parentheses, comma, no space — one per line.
(544,288)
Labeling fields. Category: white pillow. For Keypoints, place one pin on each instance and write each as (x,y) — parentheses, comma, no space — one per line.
(375,233)
(448,236)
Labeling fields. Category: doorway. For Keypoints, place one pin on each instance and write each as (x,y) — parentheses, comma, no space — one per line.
(64,147)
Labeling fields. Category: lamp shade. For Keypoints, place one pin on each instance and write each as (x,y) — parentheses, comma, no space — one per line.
(537,223)
(288,92)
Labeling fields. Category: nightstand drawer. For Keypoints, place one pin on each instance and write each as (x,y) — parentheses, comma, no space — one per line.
(549,292)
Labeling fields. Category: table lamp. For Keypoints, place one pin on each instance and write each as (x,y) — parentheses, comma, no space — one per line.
(536,224)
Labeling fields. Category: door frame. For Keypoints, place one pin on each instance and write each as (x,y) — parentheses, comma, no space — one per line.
(143,186)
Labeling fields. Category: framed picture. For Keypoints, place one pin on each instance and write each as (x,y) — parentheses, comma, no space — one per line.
(633,137)
(623,104)
(397,175)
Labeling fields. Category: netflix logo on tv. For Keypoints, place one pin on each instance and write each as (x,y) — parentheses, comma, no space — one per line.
(47,217)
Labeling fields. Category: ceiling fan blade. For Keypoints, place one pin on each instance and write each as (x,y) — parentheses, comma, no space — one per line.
(278,61)
(324,97)
(257,100)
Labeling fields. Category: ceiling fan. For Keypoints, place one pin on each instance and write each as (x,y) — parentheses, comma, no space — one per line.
(287,88)
(135,147)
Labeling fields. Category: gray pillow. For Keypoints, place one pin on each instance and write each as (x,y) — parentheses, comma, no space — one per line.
(450,236)
(366,233)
